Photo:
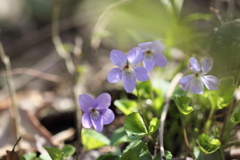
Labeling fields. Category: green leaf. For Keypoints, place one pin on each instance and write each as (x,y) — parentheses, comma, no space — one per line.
(153,125)
(54,153)
(68,150)
(119,136)
(140,149)
(224,94)
(208,145)
(129,155)
(182,103)
(126,106)
(92,139)
(235,117)
(44,157)
(30,156)
(135,126)
(22,158)
(168,155)
(108,157)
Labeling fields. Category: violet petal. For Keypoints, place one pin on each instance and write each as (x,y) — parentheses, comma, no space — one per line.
(86,120)
(118,57)
(196,85)
(103,101)
(141,73)
(108,116)
(194,66)
(114,75)
(86,102)
(210,82)
(185,81)
(98,123)
(135,56)
(207,65)
(160,60)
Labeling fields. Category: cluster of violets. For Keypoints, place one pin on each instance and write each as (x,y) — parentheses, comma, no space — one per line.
(97,112)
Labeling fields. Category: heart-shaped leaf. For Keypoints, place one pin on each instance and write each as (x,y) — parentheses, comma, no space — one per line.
(126,106)
(208,145)
(54,153)
(119,136)
(92,139)
(140,149)
(68,150)
(182,103)
(135,126)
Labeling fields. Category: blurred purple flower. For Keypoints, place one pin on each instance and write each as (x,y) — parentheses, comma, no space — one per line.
(196,80)
(96,112)
(152,54)
(127,69)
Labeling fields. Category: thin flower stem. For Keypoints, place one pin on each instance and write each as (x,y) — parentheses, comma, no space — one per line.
(152,93)
(14,108)
(185,136)
(172,87)
(140,108)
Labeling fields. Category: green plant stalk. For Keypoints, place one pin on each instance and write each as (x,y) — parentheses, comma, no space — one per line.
(152,93)
(140,108)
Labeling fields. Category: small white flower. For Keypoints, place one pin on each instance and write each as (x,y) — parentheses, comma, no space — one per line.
(195,81)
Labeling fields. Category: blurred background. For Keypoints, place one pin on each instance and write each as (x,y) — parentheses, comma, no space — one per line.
(60,49)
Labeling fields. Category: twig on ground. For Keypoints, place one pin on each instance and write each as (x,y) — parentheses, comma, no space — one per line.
(35,73)
(172,86)
(14,108)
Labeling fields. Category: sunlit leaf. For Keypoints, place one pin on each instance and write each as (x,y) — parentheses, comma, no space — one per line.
(126,106)
(54,153)
(208,145)
(153,125)
(182,103)
(92,139)
(235,117)
(119,136)
(30,156)
(135,126)
(140,149)
(68,150)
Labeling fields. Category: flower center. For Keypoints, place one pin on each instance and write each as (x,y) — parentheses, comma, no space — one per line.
(148,52)
(196,74)
(95,114)
(127,67)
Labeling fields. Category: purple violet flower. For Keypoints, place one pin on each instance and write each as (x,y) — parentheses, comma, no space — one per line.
(127,69)
(96,112)
(152,54)
(196,80)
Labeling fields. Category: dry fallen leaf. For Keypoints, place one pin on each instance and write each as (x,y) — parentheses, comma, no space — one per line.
(11,155)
